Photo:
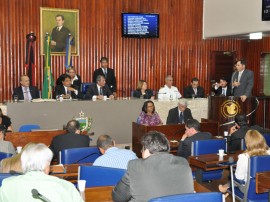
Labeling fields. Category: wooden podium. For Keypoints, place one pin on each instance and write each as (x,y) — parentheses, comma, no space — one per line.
(224,109)
(172,132)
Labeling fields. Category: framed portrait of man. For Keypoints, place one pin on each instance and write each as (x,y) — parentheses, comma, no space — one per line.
(59,24)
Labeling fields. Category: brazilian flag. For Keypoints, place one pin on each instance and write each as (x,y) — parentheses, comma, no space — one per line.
(48,78)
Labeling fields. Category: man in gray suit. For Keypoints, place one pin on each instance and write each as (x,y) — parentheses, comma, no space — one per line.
(157,174)
(243,81)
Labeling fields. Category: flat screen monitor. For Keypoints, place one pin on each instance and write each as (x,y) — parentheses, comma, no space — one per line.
(265,10)
(140,25)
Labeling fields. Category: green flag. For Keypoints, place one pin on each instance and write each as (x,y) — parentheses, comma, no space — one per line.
(48,78)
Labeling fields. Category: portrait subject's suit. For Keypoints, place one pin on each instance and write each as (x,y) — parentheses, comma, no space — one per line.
(246,83)
(93,90)
(173,116)
(19,92)
(60,38)
(110,78)
(160,174)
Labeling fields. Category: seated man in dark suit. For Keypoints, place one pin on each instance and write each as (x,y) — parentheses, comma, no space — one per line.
(67,89)
(180,114)
(222,88)
(26,92)
(192,134)
(194,90)
(237,132)
(73,139)
(98,90)
(157,174)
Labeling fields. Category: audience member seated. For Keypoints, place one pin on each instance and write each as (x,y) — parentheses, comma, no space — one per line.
(149,116)
(192,134)
(67,89)
(168,92)
(237,132)
(194,90)
(73,139)
(222,88)
(256,146)
(5,146)
(98,90)
(112,156)
(157,174)
(180,114)
(75,78)
(36,160)
(13,164)
(142,91)
(25,91)
(5,121)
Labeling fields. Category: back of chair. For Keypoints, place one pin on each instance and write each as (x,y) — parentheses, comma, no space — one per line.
(211,146)
(100,176)
(28,127)
(79,155)
(256,164)
(4,155)
(267,139)
(4,176)
(194,197)
(84,87)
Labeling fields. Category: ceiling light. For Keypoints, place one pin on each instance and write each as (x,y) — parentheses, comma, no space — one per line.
(257,35)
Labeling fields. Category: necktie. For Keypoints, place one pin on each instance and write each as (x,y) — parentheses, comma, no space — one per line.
(26,97)
(105,73)
(58,28)
(100,91)
(181,117)
(223,91)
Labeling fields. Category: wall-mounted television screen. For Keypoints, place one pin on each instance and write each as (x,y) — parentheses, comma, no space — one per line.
(140,25)
(265,10)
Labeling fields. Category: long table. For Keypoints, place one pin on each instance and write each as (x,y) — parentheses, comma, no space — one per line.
(112,117)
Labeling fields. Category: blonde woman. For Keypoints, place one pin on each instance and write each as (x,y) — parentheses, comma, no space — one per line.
(256,146)
(142,91)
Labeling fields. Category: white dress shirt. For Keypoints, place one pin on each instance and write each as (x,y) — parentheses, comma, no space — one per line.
(167,93)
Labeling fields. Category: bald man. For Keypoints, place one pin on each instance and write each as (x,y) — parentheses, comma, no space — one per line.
(25,91)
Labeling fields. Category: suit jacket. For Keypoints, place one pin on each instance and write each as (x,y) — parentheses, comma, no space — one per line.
(93,90)
(234,140)
(68,141)
(184,148)
(60,38)
(173,116)
(188,92)
(246,83)
(149,178)
(218,92)
(33,91)
(76,83)
(60,90)
(110,79)
(138,93)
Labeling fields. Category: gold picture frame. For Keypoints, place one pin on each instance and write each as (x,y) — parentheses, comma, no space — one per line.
(70,24)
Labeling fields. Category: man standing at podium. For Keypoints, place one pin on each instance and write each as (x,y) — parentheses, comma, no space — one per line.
(243,81)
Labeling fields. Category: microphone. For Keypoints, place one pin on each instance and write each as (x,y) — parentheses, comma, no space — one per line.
(37,195)
(85,157)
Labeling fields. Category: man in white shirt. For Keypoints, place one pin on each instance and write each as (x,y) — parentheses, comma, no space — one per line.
(169,92)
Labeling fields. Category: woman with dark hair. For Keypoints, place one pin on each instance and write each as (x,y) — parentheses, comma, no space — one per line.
(149,116)
(142,91)
(5,121)
(256,146)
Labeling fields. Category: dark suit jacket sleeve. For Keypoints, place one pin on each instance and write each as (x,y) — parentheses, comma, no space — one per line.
(107,92)
(18,91)
(186,93)
(59,90)
(90,92)
(171,117)
(187,114)
(184,149)
(137,93)
(250,83)
(114,81)
(52,146)
(202,94)
(121,191)
(34,92)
